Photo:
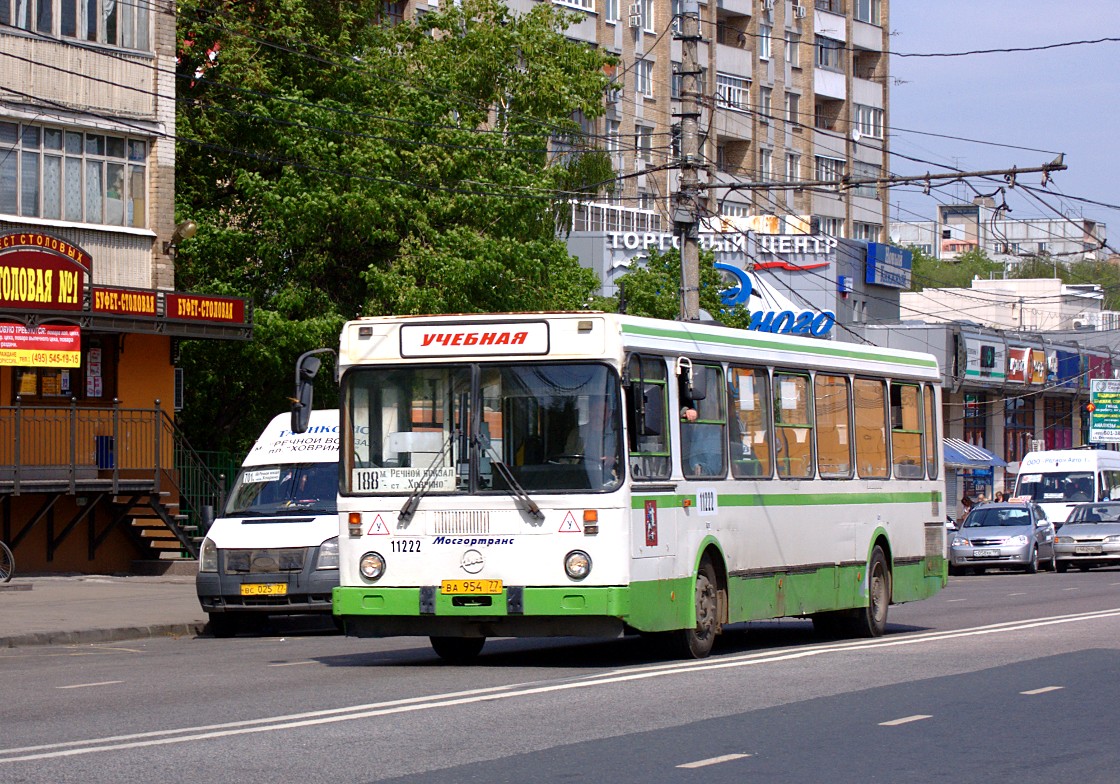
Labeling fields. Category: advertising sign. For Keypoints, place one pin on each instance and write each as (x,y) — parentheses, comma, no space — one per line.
(202,307)
(1104,411)
(46,346)
(41,272)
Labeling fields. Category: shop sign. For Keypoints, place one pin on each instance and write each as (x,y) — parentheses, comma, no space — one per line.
(48,345)
(787,322)
(124,302)
(888,266)
(41,272)
(201,307)
(1018,364)
(985,360)
(1039,367)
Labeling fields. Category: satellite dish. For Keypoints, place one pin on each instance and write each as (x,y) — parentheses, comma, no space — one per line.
(856,135)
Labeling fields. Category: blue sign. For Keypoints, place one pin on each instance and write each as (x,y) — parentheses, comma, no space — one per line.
(888,266)
(786,322)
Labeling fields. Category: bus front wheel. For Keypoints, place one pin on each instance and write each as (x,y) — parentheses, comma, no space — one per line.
(457,650)
(696,643)
(871,621)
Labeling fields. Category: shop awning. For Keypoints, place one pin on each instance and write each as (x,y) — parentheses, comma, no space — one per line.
(961,454)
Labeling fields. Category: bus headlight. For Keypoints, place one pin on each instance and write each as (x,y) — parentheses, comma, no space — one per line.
(208,556)
(372,566)
(577,564)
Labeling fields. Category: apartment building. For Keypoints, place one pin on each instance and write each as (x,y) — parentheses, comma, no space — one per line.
(92,467)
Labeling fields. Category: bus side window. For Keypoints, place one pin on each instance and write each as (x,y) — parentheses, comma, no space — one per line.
(748,401)
(793,425)
(646,417)
(704,431)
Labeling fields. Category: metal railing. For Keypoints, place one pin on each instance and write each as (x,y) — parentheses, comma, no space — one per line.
(72,448)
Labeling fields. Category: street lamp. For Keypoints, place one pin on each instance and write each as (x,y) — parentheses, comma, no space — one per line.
(184,231)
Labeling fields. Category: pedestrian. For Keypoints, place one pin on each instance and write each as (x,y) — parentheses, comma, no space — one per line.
(966,506)
(1001,497)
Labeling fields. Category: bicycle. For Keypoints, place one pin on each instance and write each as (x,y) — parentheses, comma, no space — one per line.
(7,563)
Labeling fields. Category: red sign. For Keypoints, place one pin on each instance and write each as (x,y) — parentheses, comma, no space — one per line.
(41,272)
(1018,365)
(126,302)
(46,346)
(201,307)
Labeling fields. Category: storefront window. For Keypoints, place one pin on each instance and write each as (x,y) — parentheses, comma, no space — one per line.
(95,381)
(1058,423)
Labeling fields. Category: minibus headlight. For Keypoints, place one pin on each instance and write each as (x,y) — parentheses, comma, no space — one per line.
(577,564)
(328,554)
(208,556)
(372,566)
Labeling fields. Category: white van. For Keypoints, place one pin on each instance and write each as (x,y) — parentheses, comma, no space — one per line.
(274,550)
(1060,479)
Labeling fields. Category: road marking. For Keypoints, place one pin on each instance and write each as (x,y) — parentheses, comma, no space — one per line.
(84,685)
(713,761)
(1070,589)
(956,600)
(1043,690)
(293,664)
(905,720)
(292,721)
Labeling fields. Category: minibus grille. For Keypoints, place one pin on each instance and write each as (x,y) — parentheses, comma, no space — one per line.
(450,523)
(265,561)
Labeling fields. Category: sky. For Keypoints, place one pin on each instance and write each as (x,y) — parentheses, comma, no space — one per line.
(1040,103)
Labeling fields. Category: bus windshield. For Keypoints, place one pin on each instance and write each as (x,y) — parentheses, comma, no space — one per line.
(1056,487)
(279,489)
(556,427)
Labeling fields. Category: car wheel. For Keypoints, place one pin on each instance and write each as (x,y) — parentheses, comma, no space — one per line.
(1052,564)
(225,624)
(1083,567)
(1032,564)
(457,650)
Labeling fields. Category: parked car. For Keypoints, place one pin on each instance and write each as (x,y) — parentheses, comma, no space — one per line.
(1003,535)
(1090,537)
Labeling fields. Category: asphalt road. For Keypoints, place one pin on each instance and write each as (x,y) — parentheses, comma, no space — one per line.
(1000,677)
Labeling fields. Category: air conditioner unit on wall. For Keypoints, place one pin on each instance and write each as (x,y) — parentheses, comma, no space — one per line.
(799,11)
(635,14)
(768,5)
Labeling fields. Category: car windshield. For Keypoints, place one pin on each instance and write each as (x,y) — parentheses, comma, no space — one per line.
(498,428)
(287,488)
(1056,487)
(984,518)
(1095,513)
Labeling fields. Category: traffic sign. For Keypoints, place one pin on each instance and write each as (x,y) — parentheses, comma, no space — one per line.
(1104,411)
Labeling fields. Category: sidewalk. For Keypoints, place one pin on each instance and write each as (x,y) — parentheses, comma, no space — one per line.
(69,609)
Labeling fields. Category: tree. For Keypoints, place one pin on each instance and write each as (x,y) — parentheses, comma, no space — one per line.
(338,166)
(933,273)
(653,289)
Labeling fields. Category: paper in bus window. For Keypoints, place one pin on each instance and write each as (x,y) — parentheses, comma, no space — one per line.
(746,392)
(789,395)
(1030,478)
(263,475)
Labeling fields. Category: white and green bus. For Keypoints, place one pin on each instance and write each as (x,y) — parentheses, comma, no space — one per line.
(594,474)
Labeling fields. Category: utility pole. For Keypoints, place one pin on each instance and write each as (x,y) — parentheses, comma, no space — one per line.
(686,213)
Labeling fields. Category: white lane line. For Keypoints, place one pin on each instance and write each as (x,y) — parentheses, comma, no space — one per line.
(1016,594)
(293,664)
(84,685)
(904,720)
(495,693)
(1043,690)
(1070,589)
(713,761)
(956,600)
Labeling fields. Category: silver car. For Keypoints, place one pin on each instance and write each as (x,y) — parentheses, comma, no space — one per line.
(1014,534)
(1090,536)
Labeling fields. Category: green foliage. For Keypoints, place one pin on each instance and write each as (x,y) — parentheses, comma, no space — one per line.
(931,273)
(339,167)
(653,289)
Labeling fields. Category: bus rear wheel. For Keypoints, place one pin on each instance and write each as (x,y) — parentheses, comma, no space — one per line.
(457,650)
(696,643)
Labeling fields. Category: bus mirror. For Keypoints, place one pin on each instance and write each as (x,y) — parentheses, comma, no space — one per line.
(697,384)
(653,410)
(307,367)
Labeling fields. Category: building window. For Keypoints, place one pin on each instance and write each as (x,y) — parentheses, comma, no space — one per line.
(765,165)
(721,158)
(1057,423)
(829,53)
(766,103)
(865,171)
(610,8)
(643,78)
(793,49)
(1018,427)
(833,227)
(732,92)
(735,210)
(643,140)
(614,144)
(829,169)
(869,232)
(647,16)
(793,167)
(793,108)
(869,121)
(96,379)
(583,5)
(868,11)
(124,24)
(676,10)
(764,34)
(69,175)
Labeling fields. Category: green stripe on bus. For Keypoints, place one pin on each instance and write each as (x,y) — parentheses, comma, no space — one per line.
(794,499)
(825,350)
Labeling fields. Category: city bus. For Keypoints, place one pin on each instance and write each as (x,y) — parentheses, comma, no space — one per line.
(596,474)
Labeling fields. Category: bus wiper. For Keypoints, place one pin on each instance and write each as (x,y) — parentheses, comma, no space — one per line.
(515,488)
(422,486)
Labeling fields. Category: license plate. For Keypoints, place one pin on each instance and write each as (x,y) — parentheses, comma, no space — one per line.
(985,553)
(264,589)
(1087,549)
(471,586)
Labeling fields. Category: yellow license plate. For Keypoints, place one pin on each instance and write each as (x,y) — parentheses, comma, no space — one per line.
(264,589)
(471,586)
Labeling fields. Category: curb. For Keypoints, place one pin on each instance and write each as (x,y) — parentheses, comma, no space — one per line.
(103,635)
